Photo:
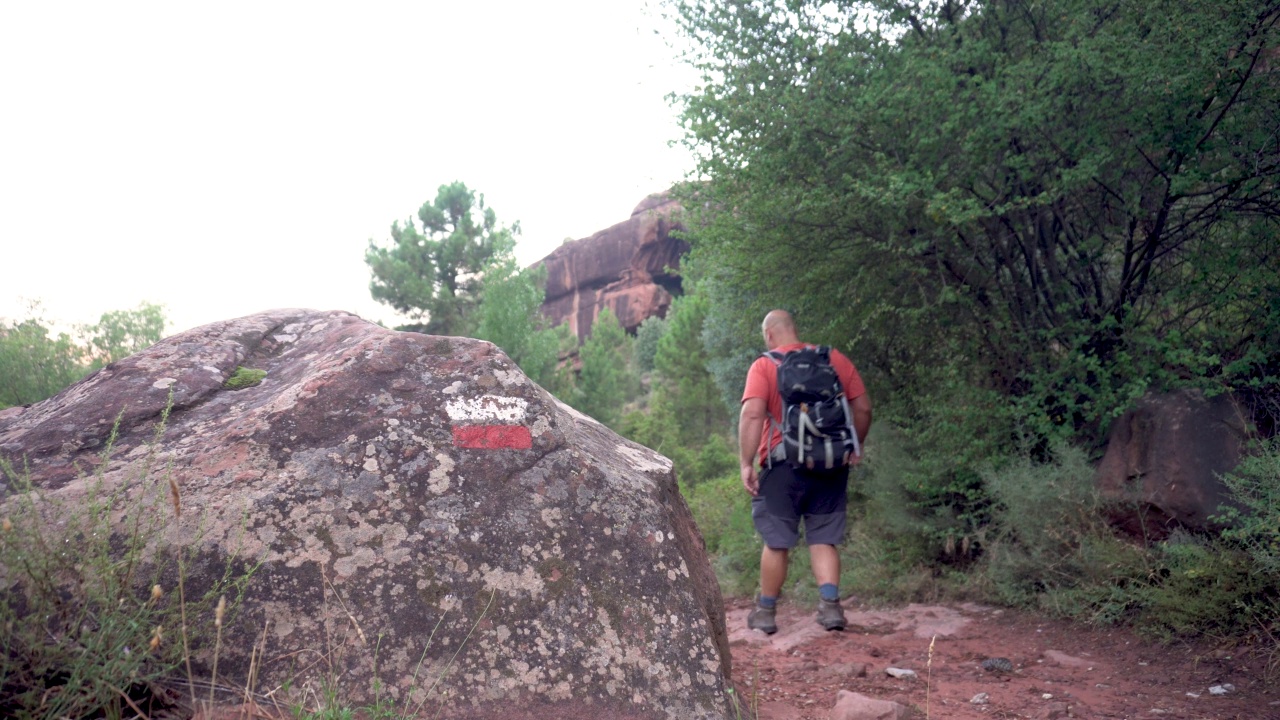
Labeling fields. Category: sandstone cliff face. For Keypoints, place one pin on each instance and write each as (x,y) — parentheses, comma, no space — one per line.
(417,503)
(626,268)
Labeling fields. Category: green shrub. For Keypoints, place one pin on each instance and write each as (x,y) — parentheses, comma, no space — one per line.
(885,488)
(1048,547)
(722,510)
(1046,531)
(1205,586)
(1255,524)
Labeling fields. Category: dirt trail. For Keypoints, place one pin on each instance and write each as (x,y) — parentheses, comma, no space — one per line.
(1059,670)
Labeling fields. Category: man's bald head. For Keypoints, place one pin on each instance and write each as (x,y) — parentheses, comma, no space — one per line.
(779,328)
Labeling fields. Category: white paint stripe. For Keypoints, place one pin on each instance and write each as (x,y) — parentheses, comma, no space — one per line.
(487,408)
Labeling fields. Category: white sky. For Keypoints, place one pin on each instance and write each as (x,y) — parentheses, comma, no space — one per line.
(232,157)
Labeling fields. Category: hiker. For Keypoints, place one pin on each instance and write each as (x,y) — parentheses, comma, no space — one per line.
(799,480)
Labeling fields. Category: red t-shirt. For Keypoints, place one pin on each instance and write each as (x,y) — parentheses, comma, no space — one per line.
(762,382)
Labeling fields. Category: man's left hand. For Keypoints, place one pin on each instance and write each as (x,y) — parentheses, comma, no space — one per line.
(750,479)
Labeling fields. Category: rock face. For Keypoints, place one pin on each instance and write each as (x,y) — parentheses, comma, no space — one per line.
(1164,458)
(416,503)
(626,268)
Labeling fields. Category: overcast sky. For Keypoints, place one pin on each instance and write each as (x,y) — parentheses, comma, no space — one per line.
(226,158)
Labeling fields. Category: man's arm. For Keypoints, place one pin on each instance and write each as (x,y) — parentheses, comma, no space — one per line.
(861,408)
(750,426)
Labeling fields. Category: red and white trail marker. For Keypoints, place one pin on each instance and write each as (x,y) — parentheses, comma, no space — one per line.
(490,422)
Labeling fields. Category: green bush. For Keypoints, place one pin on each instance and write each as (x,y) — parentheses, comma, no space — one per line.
(1045,527)
(722,510)
(887,489)
(1255,524)
(1048,547)
(1205,586)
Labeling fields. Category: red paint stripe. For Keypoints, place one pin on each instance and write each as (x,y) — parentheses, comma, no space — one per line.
(493,437)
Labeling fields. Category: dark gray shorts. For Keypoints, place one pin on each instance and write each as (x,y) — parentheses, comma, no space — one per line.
(789,495)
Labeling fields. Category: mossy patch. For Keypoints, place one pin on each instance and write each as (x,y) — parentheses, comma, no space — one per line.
(244,377)
(559,575)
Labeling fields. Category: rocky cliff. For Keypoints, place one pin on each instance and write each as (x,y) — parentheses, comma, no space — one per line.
(628,268)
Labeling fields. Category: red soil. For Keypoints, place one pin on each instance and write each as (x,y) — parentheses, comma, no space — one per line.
(1059,669)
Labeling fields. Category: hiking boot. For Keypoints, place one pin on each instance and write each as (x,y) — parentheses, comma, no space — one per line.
(763,619)
(831,615)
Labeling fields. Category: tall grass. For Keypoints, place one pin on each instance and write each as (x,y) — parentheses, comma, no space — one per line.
(88,624)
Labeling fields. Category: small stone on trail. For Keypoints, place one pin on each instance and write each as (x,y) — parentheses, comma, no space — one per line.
(855,706)
(1054,711)
(844,670)
(900,673)
(1064,659)
(997,665)
(980,699)
(1222,689)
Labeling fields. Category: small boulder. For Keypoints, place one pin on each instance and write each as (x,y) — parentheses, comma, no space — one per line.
(1053,711)
(856,706)
(1165,458)
(1054,657)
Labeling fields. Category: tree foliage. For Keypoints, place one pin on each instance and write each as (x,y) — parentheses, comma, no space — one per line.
(607,380)
(1034,197)
(431,270)
(648,334)
(121,333)
(511,318)
(683,380)
(37,362)
(687,419)
(1018,215)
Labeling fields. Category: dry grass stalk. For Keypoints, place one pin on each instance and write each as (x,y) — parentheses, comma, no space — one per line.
(928,682)
(217,644)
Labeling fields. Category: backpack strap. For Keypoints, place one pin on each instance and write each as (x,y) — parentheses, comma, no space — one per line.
(775,427)
(844,401)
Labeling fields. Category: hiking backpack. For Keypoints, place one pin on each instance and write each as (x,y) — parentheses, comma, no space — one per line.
(817,426)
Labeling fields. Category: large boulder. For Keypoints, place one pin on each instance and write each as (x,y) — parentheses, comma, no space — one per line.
(417,503)
(628,268)
(1165,458)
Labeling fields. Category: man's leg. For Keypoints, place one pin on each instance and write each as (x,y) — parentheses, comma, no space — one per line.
(773,571)
(779,527)
(826,505)
(826,564)
(826,570)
